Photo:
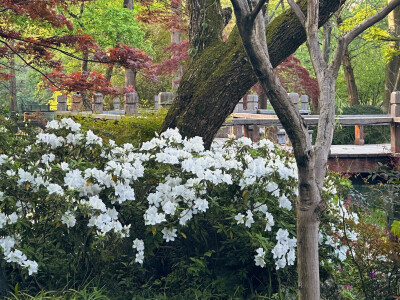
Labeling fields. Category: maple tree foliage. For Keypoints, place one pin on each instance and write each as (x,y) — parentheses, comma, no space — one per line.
(295,78)
(179,54)
(38,52)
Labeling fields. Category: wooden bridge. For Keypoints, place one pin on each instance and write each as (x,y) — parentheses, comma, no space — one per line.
(357,158)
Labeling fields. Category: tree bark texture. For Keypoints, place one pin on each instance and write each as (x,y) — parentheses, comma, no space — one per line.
(206,24)
(352,91)
(393,66)
(326,43)
(214,81)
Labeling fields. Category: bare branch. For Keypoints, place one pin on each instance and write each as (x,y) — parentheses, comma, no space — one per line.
(62,51)
(299,13)
(352,34)
(256,10)
(29,64)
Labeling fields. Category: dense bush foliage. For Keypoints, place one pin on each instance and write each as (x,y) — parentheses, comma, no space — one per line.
(344,135)
(134,129)
(145,222)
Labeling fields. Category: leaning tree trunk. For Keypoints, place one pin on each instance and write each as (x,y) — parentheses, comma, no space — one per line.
(220,74)
(352,91)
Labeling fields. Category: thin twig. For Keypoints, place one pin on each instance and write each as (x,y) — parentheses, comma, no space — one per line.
(29,64)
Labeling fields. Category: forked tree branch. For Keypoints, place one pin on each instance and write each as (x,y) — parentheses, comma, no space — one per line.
(299,13)
(256,10)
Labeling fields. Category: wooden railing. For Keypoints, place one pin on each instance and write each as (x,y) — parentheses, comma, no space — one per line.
(249,124)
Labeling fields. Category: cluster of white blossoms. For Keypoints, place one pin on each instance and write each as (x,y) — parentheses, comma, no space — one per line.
(12,255)
(94,190)
(139,246)
(284,251)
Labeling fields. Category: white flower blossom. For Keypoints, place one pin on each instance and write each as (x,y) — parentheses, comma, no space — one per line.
(169,234)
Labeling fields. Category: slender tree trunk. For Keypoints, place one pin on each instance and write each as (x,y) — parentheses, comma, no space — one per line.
(109,72)
(326,43)
(13,85)
(392,67)
(130,73)
(215,79)
(130,77)
(352,91)
(84,69)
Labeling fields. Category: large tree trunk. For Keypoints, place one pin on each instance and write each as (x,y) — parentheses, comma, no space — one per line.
(393,66)
(216,78)
(352,91)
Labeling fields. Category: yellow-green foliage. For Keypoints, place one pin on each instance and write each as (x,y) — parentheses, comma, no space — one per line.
(130,129)
(396,228)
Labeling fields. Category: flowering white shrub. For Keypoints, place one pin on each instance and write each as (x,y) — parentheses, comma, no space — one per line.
(79,179)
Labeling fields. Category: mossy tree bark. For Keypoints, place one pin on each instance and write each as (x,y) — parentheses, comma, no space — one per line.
(219,73)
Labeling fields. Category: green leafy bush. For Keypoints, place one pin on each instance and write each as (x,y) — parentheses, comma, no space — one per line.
(134,129)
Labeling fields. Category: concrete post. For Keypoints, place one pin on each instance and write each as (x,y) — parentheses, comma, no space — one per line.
(395,127)
(304,100)
(62,103)
(117,104)
(97,106)
(76,103)
(131,102)
(239,107)
(294,97)
(252,132)
(156,101)
(165,99)
(281,136)
(252,102)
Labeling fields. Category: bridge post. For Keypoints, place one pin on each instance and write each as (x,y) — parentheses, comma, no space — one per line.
(359,134)
(97,106)
(76,102)
(252,132)
(61,103)
(395,127)
(131,101)
(252,103)
(165,99)
(239,107)
(117,104)
(294,97)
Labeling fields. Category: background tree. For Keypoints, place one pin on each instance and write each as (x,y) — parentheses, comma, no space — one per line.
(58,35)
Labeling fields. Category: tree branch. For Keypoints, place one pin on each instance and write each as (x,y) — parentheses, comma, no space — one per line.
(29,64)
(299,13)
(352,34)
(256,10)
